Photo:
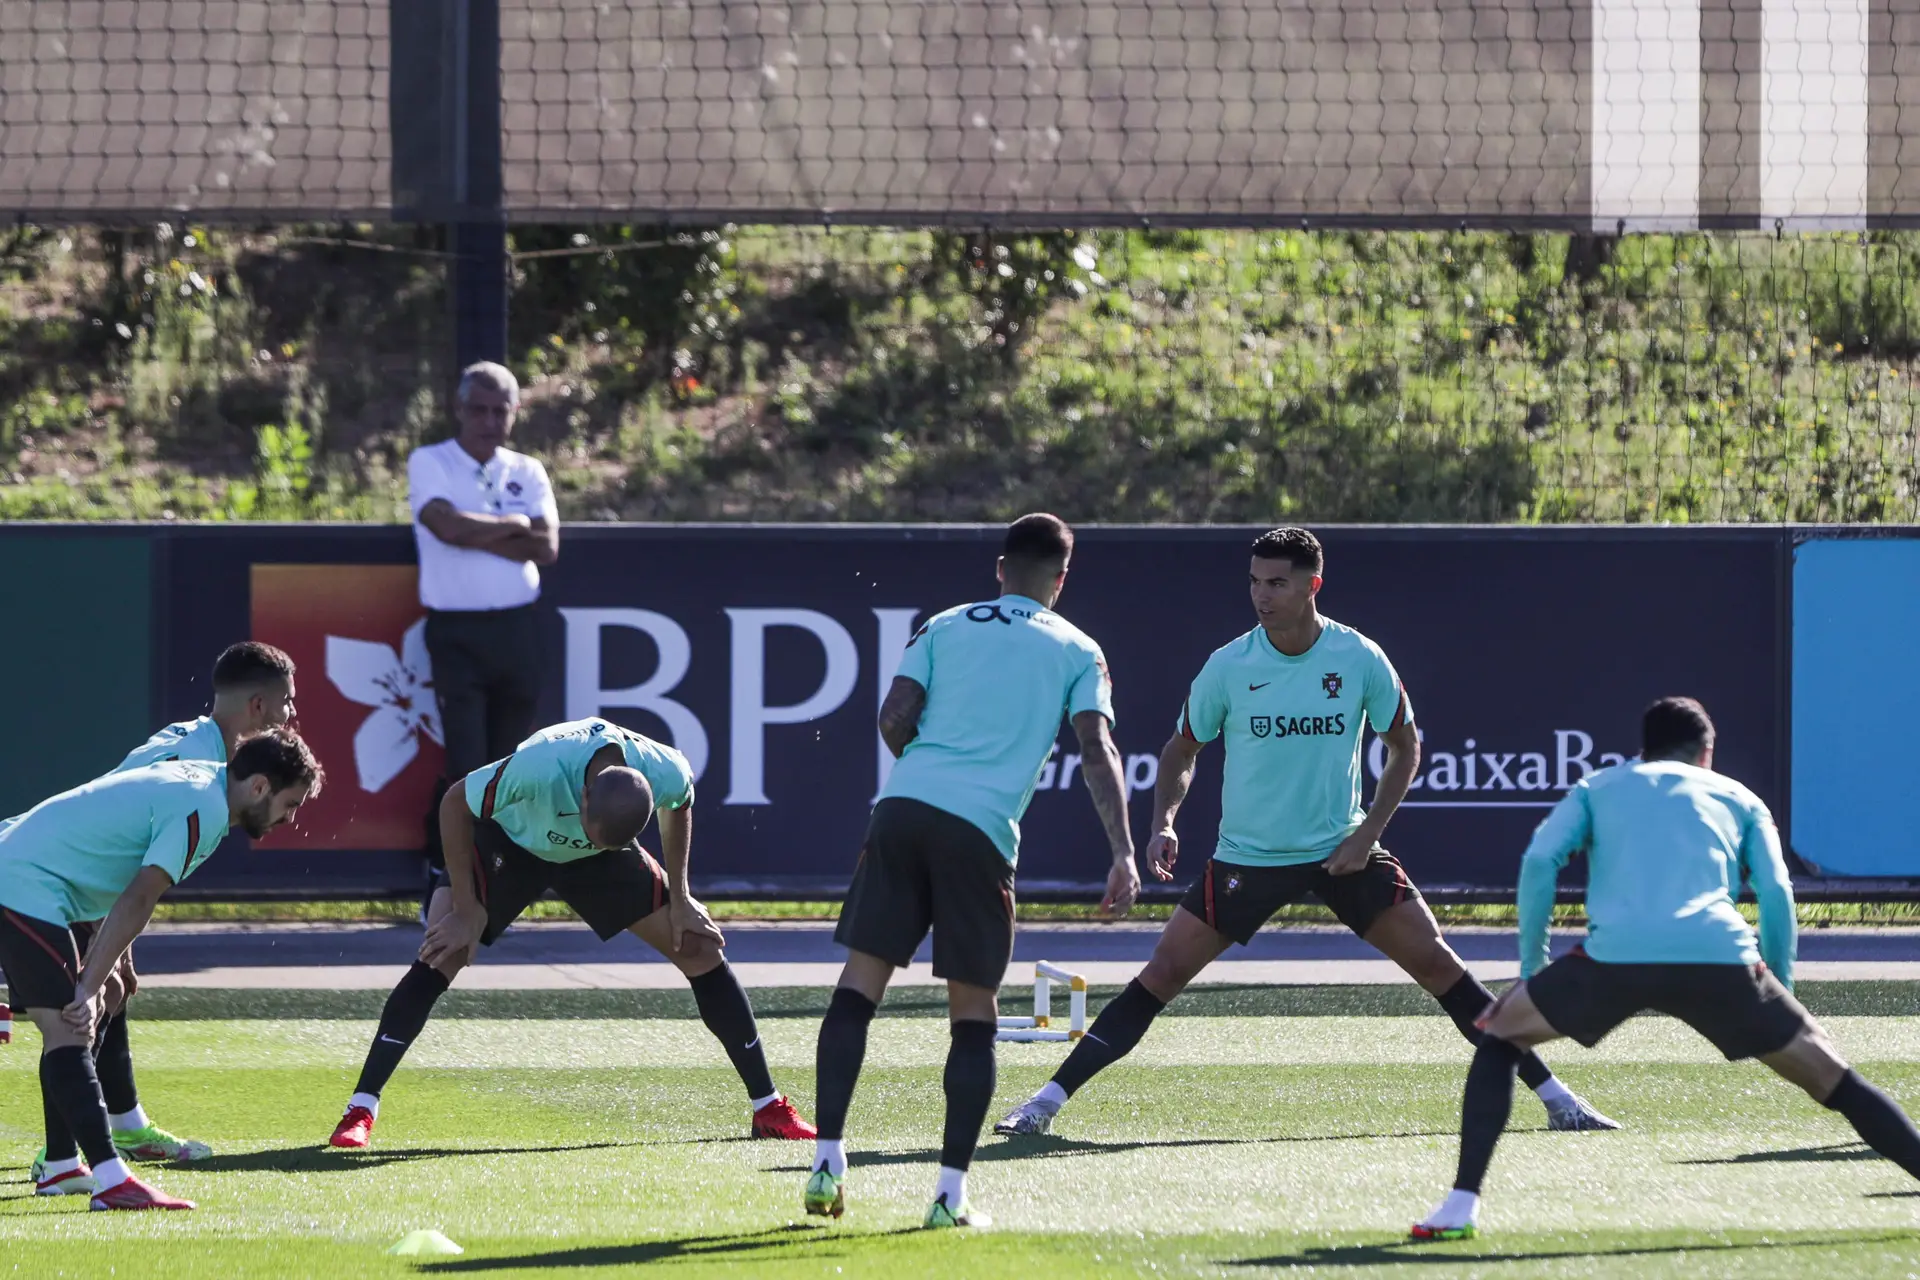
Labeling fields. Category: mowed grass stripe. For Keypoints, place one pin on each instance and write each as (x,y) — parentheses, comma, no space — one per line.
(1826,999)
(492,1044)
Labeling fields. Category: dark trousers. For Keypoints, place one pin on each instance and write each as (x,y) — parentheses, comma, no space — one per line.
(486,677)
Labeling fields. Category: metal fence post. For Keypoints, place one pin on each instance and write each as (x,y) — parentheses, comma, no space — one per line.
(478,235)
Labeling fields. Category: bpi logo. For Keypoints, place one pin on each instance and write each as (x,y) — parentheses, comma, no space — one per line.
(1331,683)
(367,707)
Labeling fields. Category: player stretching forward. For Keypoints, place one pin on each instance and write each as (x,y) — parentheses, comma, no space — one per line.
(1667,840)
(252,692)
(110,849)
(972,715)
(565,812)
(1289,697)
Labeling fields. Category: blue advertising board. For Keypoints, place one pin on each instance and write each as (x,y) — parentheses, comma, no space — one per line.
(762,652)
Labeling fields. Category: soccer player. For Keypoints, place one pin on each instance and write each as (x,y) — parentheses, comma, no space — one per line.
(1667,841)
(565,812)
(106,851)
(1289,698)
(972,715)
(252,692)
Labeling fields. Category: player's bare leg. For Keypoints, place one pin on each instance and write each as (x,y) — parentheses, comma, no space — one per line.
(728,1014)
(1512,1028)
(841,1049)
(1187,946)
(402,1020)
(1812,1062)
(1408,935)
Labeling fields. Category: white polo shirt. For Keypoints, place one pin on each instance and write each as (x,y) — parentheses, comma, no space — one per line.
(461,577)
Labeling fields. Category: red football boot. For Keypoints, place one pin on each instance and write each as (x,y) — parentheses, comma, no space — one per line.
(355,1129)
(778,1119)
(135,1194)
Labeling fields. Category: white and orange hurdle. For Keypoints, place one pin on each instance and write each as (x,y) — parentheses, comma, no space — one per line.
(1040,1025)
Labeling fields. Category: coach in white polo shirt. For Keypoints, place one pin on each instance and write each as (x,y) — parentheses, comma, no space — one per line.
(485,520)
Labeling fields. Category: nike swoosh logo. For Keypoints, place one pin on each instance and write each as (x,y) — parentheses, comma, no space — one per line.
(391,1040)
(752,1042)
(574,814)
(1096,1039)
(1255,688)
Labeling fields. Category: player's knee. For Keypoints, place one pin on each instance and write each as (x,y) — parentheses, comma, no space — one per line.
(1166,976)
(697,956)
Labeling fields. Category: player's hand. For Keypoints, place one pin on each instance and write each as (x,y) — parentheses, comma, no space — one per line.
(83,1013)
(687,916)
(113,994)
(1162,852)
(1351,856)
(454,935)
(1123,887)
(128,978)
(1499,1002)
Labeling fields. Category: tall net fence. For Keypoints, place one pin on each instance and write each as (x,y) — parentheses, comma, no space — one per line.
(1389,260)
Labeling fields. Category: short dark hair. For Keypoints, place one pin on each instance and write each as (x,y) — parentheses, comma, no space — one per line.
(1296,546)
(282,757)
(621,802)
(249,664)
(1674,727)
(1038,539)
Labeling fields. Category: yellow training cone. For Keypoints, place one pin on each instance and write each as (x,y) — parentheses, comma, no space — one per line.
(424,1242)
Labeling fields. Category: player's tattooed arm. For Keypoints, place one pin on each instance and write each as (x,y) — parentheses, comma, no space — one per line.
(1107,784)
(1178,759)
(900,713)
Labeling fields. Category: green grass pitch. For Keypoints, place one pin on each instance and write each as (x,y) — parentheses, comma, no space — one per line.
(1268,1132)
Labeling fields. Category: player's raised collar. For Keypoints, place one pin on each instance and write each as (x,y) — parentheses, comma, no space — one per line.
(1263,644)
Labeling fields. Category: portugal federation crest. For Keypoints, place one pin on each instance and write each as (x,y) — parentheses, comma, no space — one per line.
(1331,683)
(1261,726)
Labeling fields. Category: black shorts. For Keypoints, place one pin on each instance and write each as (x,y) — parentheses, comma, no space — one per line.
(1744,1010)
(1237,899)
(41,961)
(612,891)
(924,868)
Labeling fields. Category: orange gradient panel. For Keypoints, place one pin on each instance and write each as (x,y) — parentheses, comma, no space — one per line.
(364,699)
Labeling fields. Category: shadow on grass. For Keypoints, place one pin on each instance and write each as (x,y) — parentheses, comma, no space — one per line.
(1410,1253)
(1795,1155)
(332,1160)
(1050,1146)
(793,1235)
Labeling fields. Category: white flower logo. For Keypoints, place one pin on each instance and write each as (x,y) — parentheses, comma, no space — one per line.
(400,691)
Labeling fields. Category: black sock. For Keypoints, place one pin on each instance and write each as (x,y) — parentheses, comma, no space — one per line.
(67,1077)
(1484,1109)
(113,1063)
(969,1084)
(1466,1000)
(1878,1120)
(403,1018)
(60,1145)
(836,1063)
(724,1007)
(1111,1037)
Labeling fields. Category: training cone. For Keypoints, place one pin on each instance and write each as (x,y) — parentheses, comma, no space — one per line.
(417,1242)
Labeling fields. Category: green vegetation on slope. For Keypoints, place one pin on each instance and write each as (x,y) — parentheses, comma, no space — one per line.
(775,373)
